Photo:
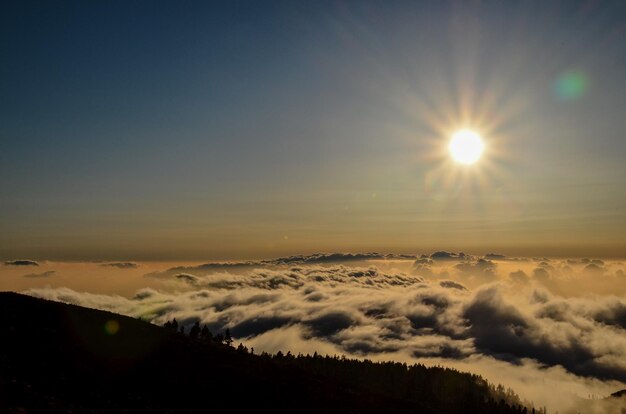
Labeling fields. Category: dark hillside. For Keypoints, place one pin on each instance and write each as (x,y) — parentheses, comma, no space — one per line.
(56,357)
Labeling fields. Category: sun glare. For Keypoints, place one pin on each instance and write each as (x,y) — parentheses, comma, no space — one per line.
(466,146)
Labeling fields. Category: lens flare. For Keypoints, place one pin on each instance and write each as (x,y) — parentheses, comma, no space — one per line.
(571,86)
(111,327)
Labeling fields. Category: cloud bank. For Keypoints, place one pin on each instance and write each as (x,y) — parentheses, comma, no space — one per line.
(47,273)
(508,325)
(21,263)
(121,265)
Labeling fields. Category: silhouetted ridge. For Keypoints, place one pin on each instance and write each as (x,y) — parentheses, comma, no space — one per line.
(56,357)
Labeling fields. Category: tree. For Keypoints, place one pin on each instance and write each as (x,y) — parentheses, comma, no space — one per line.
(228,340)
(195,330)
(171,325)
(206,334)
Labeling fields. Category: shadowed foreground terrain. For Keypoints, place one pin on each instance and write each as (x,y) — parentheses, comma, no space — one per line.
(56,357)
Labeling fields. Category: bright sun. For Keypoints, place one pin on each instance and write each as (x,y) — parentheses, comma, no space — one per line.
(466,146)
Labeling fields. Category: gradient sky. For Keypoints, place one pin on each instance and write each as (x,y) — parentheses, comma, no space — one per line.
(200,130)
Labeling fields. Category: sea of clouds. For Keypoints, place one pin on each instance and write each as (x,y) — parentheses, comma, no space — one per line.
(553,330)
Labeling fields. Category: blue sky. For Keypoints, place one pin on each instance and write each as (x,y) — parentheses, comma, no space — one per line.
(247,129)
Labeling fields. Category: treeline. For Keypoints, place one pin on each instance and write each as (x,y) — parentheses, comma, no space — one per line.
(441,389)
(195,332)
(448,390)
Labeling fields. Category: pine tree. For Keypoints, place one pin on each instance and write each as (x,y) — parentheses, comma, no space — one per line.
(228,340)
(195,330)
(206,334)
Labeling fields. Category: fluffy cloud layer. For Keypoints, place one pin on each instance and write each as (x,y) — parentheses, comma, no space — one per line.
(466,312)
(21,263)
(121,265)
(318,258)
(47,273)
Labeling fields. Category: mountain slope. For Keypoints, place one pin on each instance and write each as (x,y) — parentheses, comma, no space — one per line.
(56,357)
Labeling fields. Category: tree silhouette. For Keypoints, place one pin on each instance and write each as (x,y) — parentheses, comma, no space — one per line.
(181,365)
(228,340)
(171,325)
(195,330)
(206,334)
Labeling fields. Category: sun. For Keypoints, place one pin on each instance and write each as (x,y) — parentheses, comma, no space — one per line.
(466,146)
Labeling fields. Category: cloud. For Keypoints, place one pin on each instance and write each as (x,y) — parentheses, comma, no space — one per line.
(541,274)
(187,278)
(494,326)
(47,273)
(259,324)
(424,266)
(296,277)
(443,255)
(585,336)
(337,258)
(519,276)
(244,266)
(330,323)
(480,265)
(21,263)
(336,303)
(121,265)
(585,261)
(495,256)
(595,268)
(553,387)
(478,271)
(207,267)
(610,311)
(486,316)
(451,284)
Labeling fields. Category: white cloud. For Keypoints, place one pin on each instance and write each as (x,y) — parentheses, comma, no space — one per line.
(479,315)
